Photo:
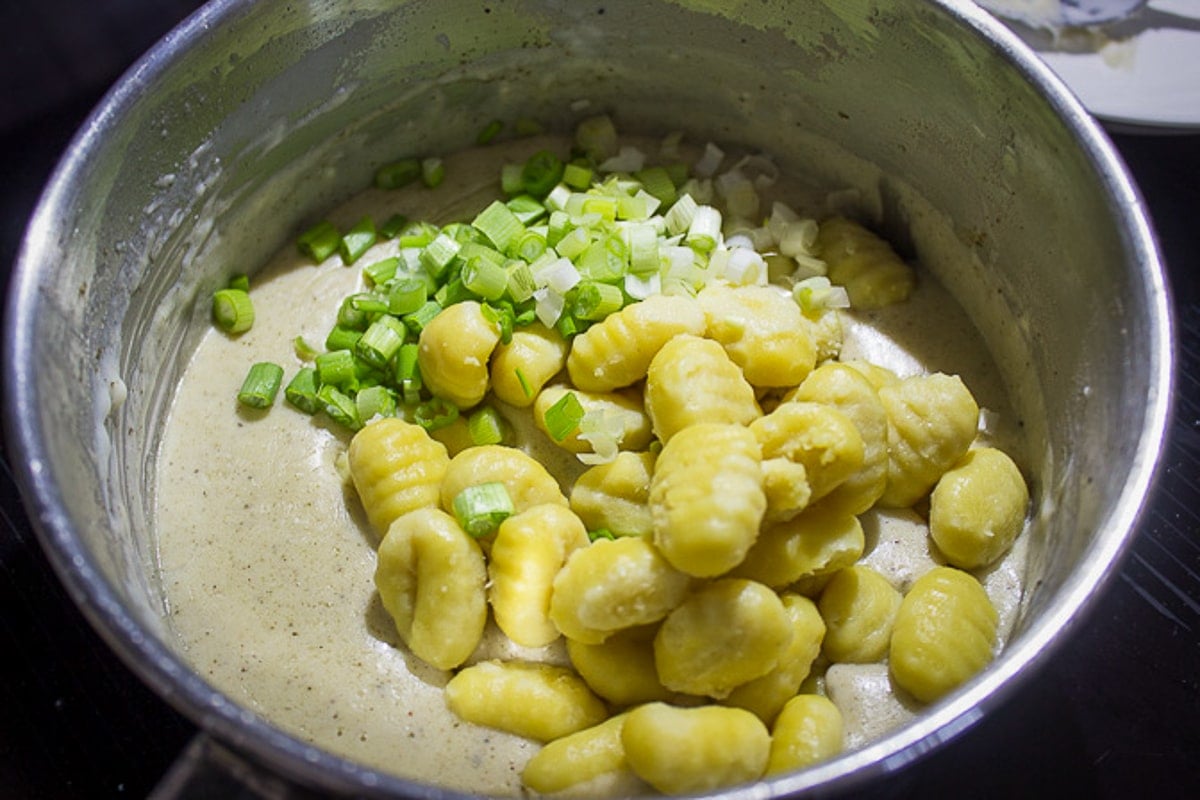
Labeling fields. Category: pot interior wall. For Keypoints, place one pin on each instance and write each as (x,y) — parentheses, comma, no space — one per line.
(223,146)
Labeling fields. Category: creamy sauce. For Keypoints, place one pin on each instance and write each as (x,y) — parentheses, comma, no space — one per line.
(267,561)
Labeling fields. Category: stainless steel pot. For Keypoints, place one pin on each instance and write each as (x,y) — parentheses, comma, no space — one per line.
(269,112)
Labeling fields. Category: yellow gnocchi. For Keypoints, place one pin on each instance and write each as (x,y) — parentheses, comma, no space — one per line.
(865,264)
(818,542)
(723,635)
(521,367)
(706,498)
(453,353)
(615,496)
(621,668)
(944,634)
(396,468)
(694,750)
(807,731)
(978,508)
(431,575)
(932,420)
(529,550)
(785,485)
(528,483)
(623,411)
(859,607)
(611,585)
(692,380)
(617,351)
(762,330)
(819,436)
(577,758)
(527,698)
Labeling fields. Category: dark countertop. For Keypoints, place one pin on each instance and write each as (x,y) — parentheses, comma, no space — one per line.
(1116,714)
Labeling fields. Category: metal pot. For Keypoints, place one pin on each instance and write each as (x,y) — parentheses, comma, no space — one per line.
(271,111)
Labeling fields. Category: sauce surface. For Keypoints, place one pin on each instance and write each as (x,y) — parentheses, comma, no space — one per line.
(267,561)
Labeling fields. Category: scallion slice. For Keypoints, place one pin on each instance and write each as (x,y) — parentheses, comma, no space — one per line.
(433,172)
(489,132)
(240,281)
(261,384)
(406,296)
(232,310)
(398,173)
(357,240)
(435,413)
(392,226)
(487,426)
(481,508)
(541,173)
(563,418)
(301,391)
(408,374)
(381,341)
(485,278)
(339,406)
(320,241)
(417,320)
(375,401)
(381,272)
(336,368)
(342,338)
(595,300)
(499,224)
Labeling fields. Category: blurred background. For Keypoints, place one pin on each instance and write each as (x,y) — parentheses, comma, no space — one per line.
(1115,715)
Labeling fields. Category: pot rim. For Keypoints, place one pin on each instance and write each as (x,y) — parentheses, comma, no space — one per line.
(181,687)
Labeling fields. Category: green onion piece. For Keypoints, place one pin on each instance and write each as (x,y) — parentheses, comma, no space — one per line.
(526,126)
(357,240)
(320,241)
(435,413)
(406,296)
(489,132)
(433,172)
(383,271)
(453,292)
(510,179)
(301,391)
(336,368)
(371,305)
(485,278)
(417,320)
(643,249)
(261,385)
(529,247)
(501,314)
(408,374)
(381,341)
(597,137)
(704,231)
(541,173)
(303,350)
(595,301)
(521,284)
(351,316)
(240,281)
(340,407)
(657,181)
(559,226)
(679,215)
(577,176)
(375,401)
(526,389)
(439,253)
(232,310)
(527,208)
(601,533)
(499,224)
(418,234)
(569,325)
(342,338)
(398,173)
(392,227)
(486,425)
(481,508)
(563,418)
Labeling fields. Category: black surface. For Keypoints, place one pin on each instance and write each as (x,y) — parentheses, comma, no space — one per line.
(1115,715)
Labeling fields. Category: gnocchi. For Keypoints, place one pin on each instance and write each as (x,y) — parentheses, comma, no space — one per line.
(454,352)
(521,367)
(691,380)
(978,508)
(808,730)
(396,468)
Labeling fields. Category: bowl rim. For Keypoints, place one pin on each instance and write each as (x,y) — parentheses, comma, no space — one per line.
(255,737)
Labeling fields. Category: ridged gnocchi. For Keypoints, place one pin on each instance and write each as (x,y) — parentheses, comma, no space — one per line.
(865,264)
(527,481)
(621,668)
(978,508)
(706,498)
(625,412)
(577,758)
(762,330)
(944,634)
(430,576)
(818,542)
(859,607)
(693,750)
(818,436)
(615,496)
(521,367)
(396,468)
(617,352)
(808,730)
(454,350)
(692,380)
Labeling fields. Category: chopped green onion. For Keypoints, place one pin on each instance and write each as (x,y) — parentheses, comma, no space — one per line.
(351,315)
(481,508)
(381,341)
(521,284)
(339,406)
(657,181)
(398,173)
(320,241)
(503,316)
(563,418)
(240,281)
(261,385)
(485,278)
(704,231)
(392,227)
(526,126)
(597,137)
(342,338)
(510,179)
(527,208)
(529,247)
(453,292)
(435,413)
(816,295)
(375,401)
(357,240)
(370,305)
(439,253)
(336,368)
(679,216)
(569,325)
(486,425)
(595,301)
(417,320)
(232,310)
(577,176)
(383,271)
(301,391)
(601,533)
(303,350)
(541,173)
(489,132)
(418,234)
(433,172)
(499,224)
(406,296)
(408,373)
(523,382)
